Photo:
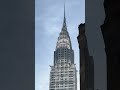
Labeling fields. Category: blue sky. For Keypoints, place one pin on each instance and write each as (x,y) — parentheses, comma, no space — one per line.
(48,24)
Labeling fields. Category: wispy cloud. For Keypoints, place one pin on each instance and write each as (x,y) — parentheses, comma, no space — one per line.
(51,20)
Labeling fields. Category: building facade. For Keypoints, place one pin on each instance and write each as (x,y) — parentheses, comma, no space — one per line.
(111,34)
(94,17)
(63,74)
(86,62)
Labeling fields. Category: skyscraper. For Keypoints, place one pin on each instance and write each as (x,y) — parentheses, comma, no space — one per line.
(63,74)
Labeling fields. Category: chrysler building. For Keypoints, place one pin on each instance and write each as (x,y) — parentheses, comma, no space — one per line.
(63,74)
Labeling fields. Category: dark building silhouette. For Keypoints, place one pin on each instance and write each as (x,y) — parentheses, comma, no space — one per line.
(94,18)
(86,62)
(111,34)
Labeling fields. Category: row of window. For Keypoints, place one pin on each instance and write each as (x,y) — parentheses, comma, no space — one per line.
(62,72)
(62,86)
(63,89)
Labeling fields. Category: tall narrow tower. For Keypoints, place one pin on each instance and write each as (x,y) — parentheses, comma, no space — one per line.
(63,74)
(86,61)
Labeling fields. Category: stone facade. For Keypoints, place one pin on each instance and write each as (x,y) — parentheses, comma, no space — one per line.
(86,62)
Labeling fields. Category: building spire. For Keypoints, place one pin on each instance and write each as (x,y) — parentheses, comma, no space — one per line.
(64,12)
(64,21)
(64,38)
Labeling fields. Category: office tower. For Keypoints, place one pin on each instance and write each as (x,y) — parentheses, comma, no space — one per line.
(63,74)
